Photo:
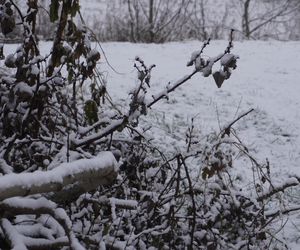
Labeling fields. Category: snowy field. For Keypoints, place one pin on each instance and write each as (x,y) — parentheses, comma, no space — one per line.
(267,79)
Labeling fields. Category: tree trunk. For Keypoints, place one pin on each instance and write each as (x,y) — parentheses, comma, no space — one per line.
(245,19)
(151,21)
(203,21)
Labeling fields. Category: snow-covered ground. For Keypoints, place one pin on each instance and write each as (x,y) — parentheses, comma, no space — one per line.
(266,79)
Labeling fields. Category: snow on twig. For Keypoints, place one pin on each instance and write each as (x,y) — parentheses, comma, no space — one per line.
(12,235)
(290,182)
(118,124)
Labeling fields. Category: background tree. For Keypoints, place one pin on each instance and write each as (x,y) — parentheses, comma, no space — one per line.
(159,21)
(45,29)
(206,20)
(259,18)
(146,21)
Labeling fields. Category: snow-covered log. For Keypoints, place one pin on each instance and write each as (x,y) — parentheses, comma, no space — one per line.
(81,175)
(17,205)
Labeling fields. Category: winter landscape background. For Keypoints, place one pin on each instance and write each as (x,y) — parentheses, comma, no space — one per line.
(266,41)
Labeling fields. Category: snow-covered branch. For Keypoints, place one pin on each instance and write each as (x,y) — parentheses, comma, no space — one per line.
(170,89)
(291,182)
(87,174)
(276,212)
(18,205)
(114,126)
(119,203)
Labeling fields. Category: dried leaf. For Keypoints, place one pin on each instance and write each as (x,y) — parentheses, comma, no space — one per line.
(219,78)
(7,25)
(54,10)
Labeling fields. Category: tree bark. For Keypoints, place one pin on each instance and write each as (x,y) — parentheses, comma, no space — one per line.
(151,21)
(58,38)
(245,19)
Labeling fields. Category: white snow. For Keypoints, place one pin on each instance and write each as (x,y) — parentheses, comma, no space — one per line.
(123,203)
(13,235)
(30,203)
(23,88)
(30,181)
(5,167)
(227,58)
(34,70)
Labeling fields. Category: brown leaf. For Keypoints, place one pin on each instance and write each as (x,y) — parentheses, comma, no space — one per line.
(219,78)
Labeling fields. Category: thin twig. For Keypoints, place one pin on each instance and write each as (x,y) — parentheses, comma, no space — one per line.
(226,131)
(191,193)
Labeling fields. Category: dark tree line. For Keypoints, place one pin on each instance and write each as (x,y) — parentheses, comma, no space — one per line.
(158,21)
(161,20)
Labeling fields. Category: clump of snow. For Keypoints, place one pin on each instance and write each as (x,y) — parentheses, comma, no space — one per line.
(226,59)
(23,88)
